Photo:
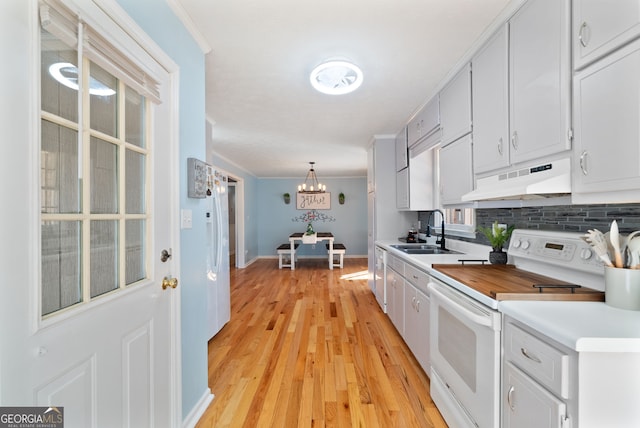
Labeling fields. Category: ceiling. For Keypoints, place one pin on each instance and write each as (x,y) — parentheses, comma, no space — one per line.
(268,120)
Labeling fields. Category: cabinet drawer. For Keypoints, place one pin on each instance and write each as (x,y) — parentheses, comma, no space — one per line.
(396,264)
(417,277)
(540,360)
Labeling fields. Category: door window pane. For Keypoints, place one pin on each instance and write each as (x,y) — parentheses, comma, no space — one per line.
(135,171)
(59,176)
(135,256)
(104,177)
(104,101)
(61,267)
(59,77)
(134,117)
(104,256)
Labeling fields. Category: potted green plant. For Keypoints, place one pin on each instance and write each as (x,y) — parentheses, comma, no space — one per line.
(497,237)
(341,198)
(287,198)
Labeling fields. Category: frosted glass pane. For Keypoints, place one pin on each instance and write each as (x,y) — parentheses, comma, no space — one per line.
(58,98)
(59,177)
(104,256)
(60,265)
(134,118)
(104,101)
(135,264)
(104,177)
(135,170)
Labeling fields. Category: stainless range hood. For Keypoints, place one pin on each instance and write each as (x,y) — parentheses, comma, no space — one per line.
(546,180)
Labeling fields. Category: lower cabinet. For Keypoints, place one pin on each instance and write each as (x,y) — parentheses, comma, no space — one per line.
(395,292)
(539,381)
(408,306)
(416,324)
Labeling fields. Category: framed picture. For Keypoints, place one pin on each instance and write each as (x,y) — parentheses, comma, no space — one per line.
(313,201)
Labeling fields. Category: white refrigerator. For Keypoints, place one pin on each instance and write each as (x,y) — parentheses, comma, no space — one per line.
(218,283)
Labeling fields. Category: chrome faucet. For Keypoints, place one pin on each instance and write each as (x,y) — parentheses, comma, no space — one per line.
(441,241)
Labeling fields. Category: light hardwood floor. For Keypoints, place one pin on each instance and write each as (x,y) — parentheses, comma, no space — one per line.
(311,348)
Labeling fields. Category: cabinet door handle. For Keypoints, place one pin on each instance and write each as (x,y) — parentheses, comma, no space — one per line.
(529,356)
(413,302)
(583,162)
(500,146)
(514,140)
(582,35)
(509,397)
(417,305)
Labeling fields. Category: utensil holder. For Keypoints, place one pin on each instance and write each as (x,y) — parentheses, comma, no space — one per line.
(622,288)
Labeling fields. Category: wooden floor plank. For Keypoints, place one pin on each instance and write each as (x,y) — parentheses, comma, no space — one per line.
(311,348)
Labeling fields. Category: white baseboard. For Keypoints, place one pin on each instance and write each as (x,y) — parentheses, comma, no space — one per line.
(198,410)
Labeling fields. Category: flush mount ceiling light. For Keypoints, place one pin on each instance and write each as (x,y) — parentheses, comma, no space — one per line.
(336,77)
(311,184)
(67,74)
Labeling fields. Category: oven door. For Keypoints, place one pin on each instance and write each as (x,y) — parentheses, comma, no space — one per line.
(465,358)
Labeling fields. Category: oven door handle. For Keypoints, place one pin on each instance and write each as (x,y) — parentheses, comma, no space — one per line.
(462,308)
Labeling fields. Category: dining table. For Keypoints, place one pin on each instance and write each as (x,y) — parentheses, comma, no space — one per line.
(306,238)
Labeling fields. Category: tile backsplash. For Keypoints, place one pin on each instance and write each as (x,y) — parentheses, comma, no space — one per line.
(570,218)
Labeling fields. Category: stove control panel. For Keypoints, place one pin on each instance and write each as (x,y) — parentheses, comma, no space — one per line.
(561,248)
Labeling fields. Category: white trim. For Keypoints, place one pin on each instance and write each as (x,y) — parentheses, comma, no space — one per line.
(191,27)
(198,410)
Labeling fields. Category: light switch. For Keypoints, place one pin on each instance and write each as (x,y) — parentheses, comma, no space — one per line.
(186,218)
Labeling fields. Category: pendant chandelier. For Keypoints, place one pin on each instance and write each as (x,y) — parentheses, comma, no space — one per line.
(311,184)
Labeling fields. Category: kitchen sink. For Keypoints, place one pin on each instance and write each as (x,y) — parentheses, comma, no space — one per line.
(422,249)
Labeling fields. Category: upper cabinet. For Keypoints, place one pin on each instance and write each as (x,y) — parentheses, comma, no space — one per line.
(456,171)
(416,184)
(606,165)
(540,80)
(455,106)
(424,123)
(402,155)
(491,104)
(599,27)
(521,88)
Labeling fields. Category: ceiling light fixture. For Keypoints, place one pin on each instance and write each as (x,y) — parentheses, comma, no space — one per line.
(67,74)
(311,184)
(336,77)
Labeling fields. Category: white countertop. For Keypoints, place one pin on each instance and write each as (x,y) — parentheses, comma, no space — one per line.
(582,326)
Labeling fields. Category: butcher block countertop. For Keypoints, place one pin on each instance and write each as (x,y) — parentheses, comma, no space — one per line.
(506,282)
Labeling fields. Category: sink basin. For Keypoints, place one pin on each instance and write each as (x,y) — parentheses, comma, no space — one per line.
(422,249)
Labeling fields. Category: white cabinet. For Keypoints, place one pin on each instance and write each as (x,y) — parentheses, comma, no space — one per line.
(416,315)
(540,73)
(455,106)
(606,165)
(416,184)
(539,384)
(395,292)
(491,104)
(456,171)
(402,189)
(527,404)
(599,27)
(424,122)
(402,155)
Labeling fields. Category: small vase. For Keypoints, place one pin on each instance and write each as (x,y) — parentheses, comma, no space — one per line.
(498,257)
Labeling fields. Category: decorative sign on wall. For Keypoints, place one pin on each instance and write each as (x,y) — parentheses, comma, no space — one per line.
(196,178)
(313,215)
(313,201)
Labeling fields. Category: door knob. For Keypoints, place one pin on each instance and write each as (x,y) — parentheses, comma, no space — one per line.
(169,282)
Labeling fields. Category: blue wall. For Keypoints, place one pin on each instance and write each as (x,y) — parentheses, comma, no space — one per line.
(277,220)
(158,21)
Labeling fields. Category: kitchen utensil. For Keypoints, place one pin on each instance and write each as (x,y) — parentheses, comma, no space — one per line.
(599,244)
(614,236)
(633,247)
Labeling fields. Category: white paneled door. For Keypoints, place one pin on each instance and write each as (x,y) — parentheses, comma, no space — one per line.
(100,333)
